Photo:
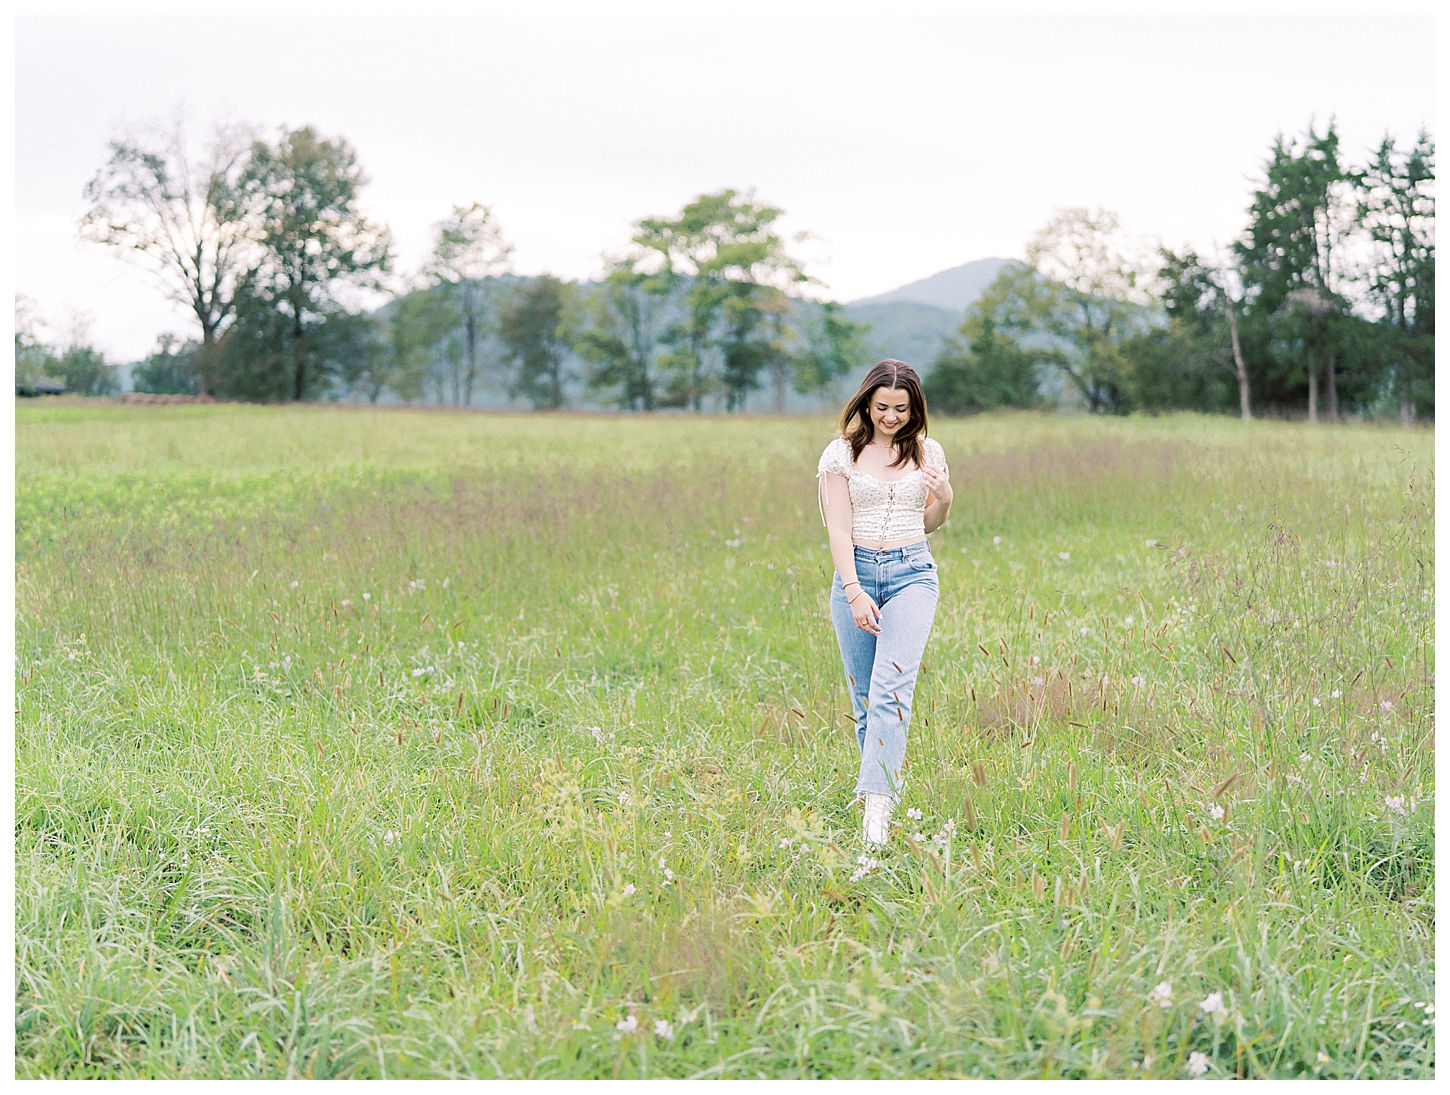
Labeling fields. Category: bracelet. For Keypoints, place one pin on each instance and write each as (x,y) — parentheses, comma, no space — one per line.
(852,582)
(852,600)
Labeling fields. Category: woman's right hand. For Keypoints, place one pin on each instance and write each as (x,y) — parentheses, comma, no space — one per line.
(865,612)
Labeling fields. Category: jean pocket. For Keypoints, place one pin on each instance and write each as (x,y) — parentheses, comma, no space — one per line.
(924,561)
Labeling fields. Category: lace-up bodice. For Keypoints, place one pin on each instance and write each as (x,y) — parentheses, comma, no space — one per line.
(881,511)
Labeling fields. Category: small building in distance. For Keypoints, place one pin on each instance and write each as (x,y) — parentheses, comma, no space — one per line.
(37,385)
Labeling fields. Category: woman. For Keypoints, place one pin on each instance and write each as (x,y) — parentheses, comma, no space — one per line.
(883,486)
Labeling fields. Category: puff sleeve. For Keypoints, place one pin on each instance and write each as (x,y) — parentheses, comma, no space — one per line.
(835,460)
(933,454)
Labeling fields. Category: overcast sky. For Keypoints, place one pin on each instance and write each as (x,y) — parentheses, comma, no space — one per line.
(907,138)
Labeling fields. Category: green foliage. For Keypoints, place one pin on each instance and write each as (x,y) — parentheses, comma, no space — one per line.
(623,342)
(1396,206)
(980,369)
(418,325)
(303,193)
(736,268)
(84,371)
(382,743)
(468,250)
(834,346)
(172,369)
(538,325)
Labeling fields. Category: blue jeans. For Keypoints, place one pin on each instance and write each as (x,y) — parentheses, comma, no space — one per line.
(881,669)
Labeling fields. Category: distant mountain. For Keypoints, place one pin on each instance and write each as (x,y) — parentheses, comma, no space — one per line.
(909,323)
(952,289)
(906,330)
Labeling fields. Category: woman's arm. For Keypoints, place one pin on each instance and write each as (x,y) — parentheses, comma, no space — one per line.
(939,502)
(838,527)
(843,552)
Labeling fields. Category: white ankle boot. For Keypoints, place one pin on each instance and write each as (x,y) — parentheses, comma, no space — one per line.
(878,818)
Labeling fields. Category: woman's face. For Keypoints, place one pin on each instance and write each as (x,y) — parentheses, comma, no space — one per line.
(890,410)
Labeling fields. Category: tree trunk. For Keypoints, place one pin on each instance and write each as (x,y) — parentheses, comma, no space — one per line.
(1313,395)
(1243,372)
(1407,413)
(1333,395)
(471,338)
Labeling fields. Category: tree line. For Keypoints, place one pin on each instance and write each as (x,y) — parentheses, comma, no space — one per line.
(265,243)
(1324,305)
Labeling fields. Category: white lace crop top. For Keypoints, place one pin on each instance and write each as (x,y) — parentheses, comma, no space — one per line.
(881,512)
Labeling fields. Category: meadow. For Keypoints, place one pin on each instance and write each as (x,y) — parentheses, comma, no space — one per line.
(401,744)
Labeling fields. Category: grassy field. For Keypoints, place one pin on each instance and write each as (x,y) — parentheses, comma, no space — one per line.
(357,743)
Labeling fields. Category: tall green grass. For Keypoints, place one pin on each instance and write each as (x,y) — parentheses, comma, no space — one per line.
(357,743)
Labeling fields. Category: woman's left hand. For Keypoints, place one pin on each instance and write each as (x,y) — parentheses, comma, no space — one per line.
(938,483)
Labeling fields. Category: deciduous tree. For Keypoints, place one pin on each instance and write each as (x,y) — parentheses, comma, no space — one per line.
(539,325)
(468,249)
(179,213)
(1395,205)
(317,243)
(1088,294)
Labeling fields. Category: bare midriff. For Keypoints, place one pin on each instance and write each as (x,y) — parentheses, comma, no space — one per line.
(889,544)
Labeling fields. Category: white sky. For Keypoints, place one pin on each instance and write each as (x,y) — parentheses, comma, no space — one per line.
(906,137)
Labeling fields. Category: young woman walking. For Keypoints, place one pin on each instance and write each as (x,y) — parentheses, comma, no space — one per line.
(883,486)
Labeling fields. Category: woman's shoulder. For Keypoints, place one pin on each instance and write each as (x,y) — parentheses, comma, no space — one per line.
(933,452)
(836,457)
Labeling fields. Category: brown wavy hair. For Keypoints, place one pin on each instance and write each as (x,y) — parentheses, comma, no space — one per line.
(887,374)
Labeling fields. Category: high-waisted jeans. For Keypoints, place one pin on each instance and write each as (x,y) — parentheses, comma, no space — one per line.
(881,669)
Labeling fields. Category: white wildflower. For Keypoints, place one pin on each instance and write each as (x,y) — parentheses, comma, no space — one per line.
(1335,694)
(1139,682)
(1216,812)
(1213,1005)
(1322,1058)
(1162,994)
(1150,543)
(996,539)
(390,837)
(628,890)
(784,843)
(295,585)
(1064,556)
(1128,622)
(664,1030)
(624,798)
(418,673)
(914,814)
(918,837)
(1084,631)
(1387,706)
(346,604)
(867,865)
(1316,701)
(367,596)
(1197,1063)
(287,662)
(1396,804)
(629,1024)
(1037,681)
